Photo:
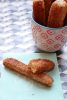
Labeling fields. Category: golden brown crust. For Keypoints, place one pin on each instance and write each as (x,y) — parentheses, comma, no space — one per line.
(47,8)
(21,68)
(39,11)
(41,65)
(57,14)
(65,21)
(52,0)
(66,0)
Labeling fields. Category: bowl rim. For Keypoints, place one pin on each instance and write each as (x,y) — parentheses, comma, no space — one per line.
(47,26)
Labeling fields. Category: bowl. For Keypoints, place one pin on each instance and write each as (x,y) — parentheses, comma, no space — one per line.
(49,39)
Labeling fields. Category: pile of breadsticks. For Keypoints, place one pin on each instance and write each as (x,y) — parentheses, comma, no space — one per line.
(36,69)
(51,13)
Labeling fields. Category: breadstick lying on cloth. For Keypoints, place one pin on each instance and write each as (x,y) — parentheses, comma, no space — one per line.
(39,11)
(57,14)
(41,65)
(21,68)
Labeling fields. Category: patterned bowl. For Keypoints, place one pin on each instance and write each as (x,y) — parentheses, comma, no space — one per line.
(49,39)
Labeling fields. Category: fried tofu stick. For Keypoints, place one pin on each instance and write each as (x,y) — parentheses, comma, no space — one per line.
(57,14)
(39,11)
(41,65)
(23,69)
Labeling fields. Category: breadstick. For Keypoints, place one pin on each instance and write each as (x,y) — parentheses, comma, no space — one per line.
(66,0)
(39,11)
(52,0)
(21,68)
(65,21)
(47,8)
(57,14)
(41,65)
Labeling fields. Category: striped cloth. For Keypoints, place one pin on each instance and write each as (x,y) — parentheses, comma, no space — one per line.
(15,27)
(16,34)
